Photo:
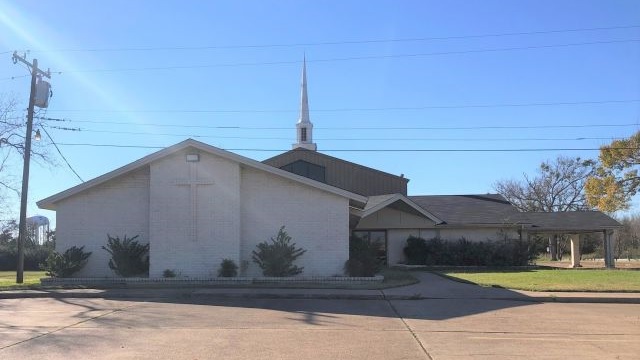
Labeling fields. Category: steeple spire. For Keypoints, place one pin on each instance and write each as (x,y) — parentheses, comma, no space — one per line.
(304,101)
(304,127)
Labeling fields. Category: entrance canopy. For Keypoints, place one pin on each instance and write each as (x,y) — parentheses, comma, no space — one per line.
(574,223)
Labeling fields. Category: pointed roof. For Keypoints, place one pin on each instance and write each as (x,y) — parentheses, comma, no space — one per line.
(400,202)
(304,101)
(50,202)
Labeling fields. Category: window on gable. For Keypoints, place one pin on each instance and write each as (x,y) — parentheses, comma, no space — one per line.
(306,169)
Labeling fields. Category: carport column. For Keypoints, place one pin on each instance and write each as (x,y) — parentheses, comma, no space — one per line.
(553,247)
(609,260)
(575,250)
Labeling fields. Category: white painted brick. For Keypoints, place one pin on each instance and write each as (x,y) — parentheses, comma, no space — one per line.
(238,209)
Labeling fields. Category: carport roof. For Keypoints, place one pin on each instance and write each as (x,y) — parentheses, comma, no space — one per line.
(577,221)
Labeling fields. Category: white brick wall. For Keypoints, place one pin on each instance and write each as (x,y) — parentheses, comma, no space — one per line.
(238,208)
(119,207)
(317,221)
(217,214)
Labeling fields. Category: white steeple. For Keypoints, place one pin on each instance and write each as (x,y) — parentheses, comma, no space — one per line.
(304,127)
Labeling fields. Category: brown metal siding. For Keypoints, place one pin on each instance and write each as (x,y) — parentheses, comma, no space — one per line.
(346,175)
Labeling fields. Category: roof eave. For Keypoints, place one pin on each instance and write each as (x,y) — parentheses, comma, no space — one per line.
(49,203)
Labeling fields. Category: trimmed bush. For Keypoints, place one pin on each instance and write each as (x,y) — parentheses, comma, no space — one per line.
(128,257)
(507,252)
(65,264)
(228,268)
(416,251)
(276,258)
(168,273)
(363,257)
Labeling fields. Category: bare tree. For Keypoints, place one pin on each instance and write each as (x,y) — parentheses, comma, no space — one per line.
(12,129)
(557,186)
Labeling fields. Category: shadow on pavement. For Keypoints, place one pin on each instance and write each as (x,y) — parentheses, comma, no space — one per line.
(434,298)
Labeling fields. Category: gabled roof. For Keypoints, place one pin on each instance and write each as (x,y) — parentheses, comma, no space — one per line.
(579,221)
(49,203)
(488,209)
(397,201)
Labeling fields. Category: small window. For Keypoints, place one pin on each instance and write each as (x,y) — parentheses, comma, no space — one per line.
(303,134)
(306,169)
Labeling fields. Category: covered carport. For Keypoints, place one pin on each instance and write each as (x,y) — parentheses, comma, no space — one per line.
(575,224)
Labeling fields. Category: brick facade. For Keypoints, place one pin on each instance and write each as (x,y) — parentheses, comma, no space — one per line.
(195,214)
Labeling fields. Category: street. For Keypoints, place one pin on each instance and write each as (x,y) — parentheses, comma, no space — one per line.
(209,328)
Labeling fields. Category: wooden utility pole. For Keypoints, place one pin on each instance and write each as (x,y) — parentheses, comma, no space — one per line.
(22,232)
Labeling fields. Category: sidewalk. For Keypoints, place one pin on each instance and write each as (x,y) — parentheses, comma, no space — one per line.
(430,287)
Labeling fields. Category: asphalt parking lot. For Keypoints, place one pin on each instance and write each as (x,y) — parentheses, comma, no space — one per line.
(209,328)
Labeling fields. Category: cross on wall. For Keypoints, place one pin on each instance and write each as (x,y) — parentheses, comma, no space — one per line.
(193,182)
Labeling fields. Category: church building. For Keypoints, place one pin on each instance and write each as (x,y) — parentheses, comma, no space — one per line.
(196,205)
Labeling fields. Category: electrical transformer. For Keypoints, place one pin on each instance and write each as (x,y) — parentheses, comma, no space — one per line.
(43,92)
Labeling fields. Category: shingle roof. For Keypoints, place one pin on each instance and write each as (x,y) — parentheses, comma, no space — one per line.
(470,209)
(571,221)
(495,209)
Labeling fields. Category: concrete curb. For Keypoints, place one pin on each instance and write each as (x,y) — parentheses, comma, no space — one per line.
(203,294)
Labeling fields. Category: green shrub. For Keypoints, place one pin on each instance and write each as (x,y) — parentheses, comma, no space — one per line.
(33,257)
(168,273)
(506,252)
(228,268)
(416,251)
(65,264)
(8,258)
(363,257)
(128,257)
(276,258)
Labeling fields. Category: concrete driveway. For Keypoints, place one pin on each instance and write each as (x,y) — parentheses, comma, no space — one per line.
(453,323)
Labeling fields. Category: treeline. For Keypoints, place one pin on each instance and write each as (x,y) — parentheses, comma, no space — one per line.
(34,253)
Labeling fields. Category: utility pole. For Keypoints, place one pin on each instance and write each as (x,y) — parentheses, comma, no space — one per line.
(22,232)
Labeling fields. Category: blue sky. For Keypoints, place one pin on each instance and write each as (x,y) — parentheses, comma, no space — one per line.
(383,75)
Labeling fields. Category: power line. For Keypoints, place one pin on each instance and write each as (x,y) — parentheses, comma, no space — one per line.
(60,152)
(390,108)
(327,139)
(14,77)
(371,57)
(351,127)
(341,42)
(363,150)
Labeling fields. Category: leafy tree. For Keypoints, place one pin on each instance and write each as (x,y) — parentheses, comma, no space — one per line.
(616,180)
(276,258)
(128,257)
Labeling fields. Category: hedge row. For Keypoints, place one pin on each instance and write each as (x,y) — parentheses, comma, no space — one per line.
(511,252)
(33,257)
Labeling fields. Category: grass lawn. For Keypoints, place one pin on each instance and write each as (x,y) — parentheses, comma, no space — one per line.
(31,278)
(555,280)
